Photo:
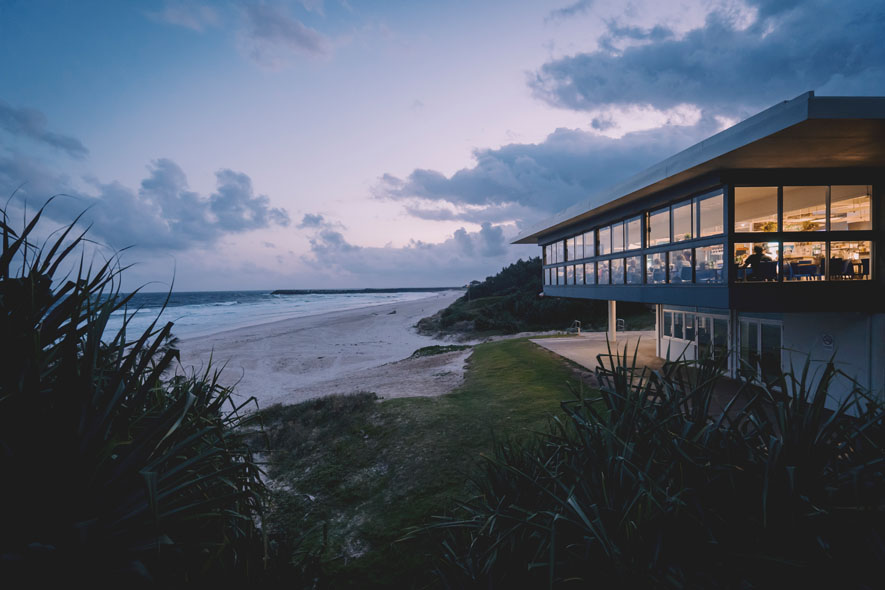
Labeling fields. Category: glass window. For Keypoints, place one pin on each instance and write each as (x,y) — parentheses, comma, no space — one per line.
(570,249)
(546,276)
(634,233)
(546,254)
(560,275)
(570,275)
(804,261)
(755,209)
(805,208)
(680,266)
(618,237)
(682,221)
(560,251)
(677,325)
(689,326)
(602,272)
(579,246)
(710,212)
(589,244)
(720,338)
(704,325)
(659,227)
(605,241)
(756,261)
(590,273)
(770,357)
(668,323)
(850,260)
(579,274)
(749,347)
(850,207)
(634,270)
(710,264)
(617,271)
(656,268)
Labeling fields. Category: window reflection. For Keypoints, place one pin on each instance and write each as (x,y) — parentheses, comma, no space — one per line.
(756,261)
(634,233)
(589,244)
(659,227)
(634,270)
(570,249)
(755,209)
(710,212)
(605,241)
(602,272)
(560,251)
(850,260)
(682,222)
(590,273)
(618,237)
(560,275)
(710,264)
(804,261)
(656,268)
(617,271)
(805,208)
(579,274)
(680,266)
(570,275)
(850,207)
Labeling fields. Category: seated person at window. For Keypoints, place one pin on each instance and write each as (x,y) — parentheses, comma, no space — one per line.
(753,263)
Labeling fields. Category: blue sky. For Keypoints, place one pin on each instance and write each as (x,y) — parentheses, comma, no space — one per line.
(272,144)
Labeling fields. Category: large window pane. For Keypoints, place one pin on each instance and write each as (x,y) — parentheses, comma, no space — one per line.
(720,338)
(756,261)
(570,275)
(634,270)
(677,325)
(850,207)
(605,241)
(634,233)
(659,227)
(590,273)
(579,274)
(850,260)
(589,244)
(770,357)
(755,209)
(618,237)
(560,251)
(668,323)
(689,326)
(710,212)
(656,268)
(560,275)
(749,335)
(805,208)
(579,246)
(680,266)
(617,271)
(710,264)
(804,261)
(682,222)
(570,249)
(705,336)
(602,272)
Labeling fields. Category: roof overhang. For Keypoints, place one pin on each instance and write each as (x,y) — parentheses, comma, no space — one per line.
(806,132)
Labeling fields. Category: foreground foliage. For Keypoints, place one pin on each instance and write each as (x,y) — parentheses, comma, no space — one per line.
(658,489)
(508,302)
(111,472)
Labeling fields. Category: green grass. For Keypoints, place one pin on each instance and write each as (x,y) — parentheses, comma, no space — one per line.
(359,473)
(438,349)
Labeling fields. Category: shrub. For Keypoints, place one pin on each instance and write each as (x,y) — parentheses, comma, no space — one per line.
(646,486)
(111,472)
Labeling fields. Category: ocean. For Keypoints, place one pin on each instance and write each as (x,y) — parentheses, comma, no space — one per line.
(202,313)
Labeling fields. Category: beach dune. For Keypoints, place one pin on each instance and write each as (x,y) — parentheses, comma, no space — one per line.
(363,349)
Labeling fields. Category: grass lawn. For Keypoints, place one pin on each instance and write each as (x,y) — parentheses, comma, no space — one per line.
(355,473)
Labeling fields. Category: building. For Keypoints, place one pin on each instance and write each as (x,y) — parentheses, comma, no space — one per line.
(759,243)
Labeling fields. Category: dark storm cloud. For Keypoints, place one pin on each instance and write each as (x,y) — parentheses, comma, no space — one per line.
(31,123)
(269,27)
(163,215)
(519,181)
(791,47)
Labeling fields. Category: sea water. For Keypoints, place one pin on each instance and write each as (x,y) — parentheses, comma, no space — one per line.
(208,312)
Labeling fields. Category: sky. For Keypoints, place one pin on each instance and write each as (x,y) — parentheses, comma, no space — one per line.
(342,143)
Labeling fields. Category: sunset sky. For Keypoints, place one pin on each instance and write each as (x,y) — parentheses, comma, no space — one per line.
(340,143)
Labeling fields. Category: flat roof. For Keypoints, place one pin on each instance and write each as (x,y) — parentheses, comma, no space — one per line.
(806,132)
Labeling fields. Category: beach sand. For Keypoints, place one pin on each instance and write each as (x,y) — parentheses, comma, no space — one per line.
(364,349)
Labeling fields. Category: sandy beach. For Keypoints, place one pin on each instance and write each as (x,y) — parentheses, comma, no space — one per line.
(364,349)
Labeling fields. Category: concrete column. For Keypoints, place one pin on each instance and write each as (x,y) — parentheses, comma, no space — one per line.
(612,321)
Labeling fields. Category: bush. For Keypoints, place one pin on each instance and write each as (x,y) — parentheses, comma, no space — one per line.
(111,472)
(645,486)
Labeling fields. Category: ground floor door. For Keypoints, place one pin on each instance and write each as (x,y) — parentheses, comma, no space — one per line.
(760,348)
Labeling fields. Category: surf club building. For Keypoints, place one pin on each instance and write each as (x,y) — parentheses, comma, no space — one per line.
(762,244)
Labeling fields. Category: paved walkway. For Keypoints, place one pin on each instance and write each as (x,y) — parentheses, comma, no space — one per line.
(585,348)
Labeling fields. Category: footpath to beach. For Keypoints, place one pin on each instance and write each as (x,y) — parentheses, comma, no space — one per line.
(364,349)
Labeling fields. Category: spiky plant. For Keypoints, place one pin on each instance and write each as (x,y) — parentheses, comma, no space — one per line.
(111,473)
(647,486)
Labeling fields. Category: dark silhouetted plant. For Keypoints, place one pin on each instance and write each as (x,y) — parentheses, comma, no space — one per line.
(110,472)
(650,484)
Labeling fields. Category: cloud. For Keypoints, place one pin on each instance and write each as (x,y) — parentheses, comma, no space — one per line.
(312,220)
(271,34)
(519,182)
(455,261)
(190,15)
(162,215)
(31,123)
(569,11)
(728,66)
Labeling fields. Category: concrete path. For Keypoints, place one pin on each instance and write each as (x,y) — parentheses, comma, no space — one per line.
(585,348)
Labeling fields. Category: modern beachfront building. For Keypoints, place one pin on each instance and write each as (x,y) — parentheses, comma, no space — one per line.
(762,243)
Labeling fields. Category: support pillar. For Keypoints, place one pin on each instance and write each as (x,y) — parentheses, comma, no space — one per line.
(612,322)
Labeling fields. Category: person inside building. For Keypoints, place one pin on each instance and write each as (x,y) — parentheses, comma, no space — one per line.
(753,262)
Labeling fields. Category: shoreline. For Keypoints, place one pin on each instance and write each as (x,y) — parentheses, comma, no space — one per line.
(362,349)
